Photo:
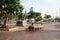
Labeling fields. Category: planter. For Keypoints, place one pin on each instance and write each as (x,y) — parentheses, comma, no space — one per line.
(9,29)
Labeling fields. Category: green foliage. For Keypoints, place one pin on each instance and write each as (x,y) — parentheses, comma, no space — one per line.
(10,8)
(47,16)
(57,19)
(39,18)
(32,14)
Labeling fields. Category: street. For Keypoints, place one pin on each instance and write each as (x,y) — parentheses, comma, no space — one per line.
(50,32)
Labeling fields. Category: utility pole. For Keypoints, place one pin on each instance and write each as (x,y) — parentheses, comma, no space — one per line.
(25,15)
(56,14)
(59,12)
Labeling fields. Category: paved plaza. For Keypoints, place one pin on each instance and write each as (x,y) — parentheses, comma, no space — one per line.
(50,32)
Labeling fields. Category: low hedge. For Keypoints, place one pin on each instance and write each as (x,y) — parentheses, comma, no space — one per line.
(39,28)
(35,29)
(4,29)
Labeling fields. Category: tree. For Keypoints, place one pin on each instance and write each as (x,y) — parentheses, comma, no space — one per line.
(33,14)
(39,18)
(47,16)
(57,19)
(9,9)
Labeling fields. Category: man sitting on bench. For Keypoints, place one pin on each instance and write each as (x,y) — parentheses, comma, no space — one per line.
(31,27)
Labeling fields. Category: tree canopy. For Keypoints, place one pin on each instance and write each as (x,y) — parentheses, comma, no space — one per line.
(39,18)
(9,8)
(47,16)
(33,14)
(57,19)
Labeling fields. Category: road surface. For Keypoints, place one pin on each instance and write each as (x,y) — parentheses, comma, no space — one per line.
(51,32)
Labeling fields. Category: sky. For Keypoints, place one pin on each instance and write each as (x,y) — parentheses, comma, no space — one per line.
(50,7)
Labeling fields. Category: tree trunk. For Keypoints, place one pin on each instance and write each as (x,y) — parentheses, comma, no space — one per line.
(5,21)
(4,25)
